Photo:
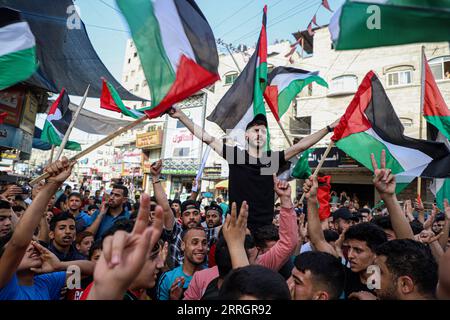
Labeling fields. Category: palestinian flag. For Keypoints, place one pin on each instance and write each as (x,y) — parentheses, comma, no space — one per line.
(370,125)
(58,121)
(110,100)
(17,49)
(435,109)
(302,169)
(244,100)
(374,23)
(284,84)
(176,47)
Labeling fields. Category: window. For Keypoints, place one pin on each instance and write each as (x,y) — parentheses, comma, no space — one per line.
(211,88)
(144,83)
(300,125)
(180,124)
(347,84)
(181,152)
(399,78)
(129,60)
(406,122)
(135,54)
(230,78)
(440,67)
(132,74)
(136,88)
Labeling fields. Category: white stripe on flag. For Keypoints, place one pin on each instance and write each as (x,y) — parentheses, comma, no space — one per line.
(408,158)
(283,80)
(16,37)
(173,36)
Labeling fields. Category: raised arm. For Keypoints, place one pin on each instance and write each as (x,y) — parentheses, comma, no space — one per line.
(59,171)
(97,219)
(160,195)
(384,182)
(308,141)
(315,231)
(196,130)
(234,233)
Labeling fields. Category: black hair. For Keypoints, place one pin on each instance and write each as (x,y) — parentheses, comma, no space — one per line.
(372,234)
(186,231)
(256,281)
(94,206)
(121,187)
(75,194)
(416,226)
(265,233)
(330,235)
(176,201)
(384,222)
(122,224)
(97,245)
(406,257)
(3,241)
(5,204)
(327,271)
(60,217)
(68,187)
(18,208)
(439,217)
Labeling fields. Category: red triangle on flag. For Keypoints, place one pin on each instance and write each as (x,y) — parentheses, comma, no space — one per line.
(326,5)
(271,96)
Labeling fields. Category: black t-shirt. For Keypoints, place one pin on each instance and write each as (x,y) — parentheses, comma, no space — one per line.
(251,180)
(353,283)
(212,290)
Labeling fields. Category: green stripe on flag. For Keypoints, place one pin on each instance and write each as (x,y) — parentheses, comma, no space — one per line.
(17,66)
(146,34)
(302,169)
(115,95)
(359,146)
(442,194)
(50,135)
(288,94)
(442,123)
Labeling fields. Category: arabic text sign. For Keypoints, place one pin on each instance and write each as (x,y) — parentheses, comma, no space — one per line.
(335,159)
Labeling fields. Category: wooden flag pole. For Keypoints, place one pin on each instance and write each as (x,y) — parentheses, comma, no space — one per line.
(316,172)
(422,97)
(94,146)
(51,154)
(285,133)
(69,129)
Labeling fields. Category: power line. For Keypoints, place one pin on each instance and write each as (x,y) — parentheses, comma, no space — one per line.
(109,6)
(232,15)
(247,21)
(283,19)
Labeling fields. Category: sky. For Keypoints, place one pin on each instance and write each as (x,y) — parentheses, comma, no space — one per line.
(233,21)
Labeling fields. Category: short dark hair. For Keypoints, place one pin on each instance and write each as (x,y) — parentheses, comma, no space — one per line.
(121,187)
(330,235)
(256,281)
(384,222)
(176,201)
(94,206)
(372,234)
(416,226)
(186,231)
(5,204)
(60,217)
(82,235)
(327,271)
(76,195)
(265,233)
(97,245)
(439,217)
(406,257)
(67,188)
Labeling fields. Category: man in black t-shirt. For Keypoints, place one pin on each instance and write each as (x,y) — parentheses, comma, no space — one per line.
(251,166)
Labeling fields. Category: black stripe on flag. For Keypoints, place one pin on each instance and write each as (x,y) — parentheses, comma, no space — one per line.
(282,70)
(199,34)
(387,125)
(235,103)
(63,124)
(9,16)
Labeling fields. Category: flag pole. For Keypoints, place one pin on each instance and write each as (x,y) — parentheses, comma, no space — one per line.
(51,154)
(422,97)
(285,133)
(94,146)
(69,129)
(319,166)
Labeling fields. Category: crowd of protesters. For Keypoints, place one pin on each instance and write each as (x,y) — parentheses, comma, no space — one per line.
(60,244)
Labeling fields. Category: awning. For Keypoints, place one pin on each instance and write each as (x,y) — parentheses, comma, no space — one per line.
(222,185)
(66,56)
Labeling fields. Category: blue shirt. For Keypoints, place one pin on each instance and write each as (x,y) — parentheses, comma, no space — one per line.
(167,279)
(82,221)
(108,221)
(45,287)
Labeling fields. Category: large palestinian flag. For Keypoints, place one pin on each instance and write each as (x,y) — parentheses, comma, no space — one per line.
(110,100)
(370,125)
(17,49)
(244,100)
(176,47)
(359,24)
(284,84)
(58,121)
